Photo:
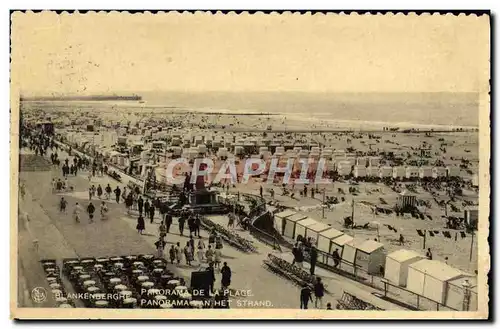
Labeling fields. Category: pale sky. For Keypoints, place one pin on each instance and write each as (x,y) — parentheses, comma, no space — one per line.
(98,53)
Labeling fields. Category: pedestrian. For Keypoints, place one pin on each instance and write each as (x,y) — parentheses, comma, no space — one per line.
(428,254)
(62,205)
(99,191)
(300,256)
(401,240)
(210,255)
(191,225)
(226,276)
(146,207)
(162,229)
(140,204)
(141,226)
(200,254)
(446,260)
(160,246)
(152,213)
(336,258)
(104,211)
(90,193)
(319,292)
(168,221)
(188,253)
(191,244)
(305,296)
(172,254)
(295,251)
(217,257)
(211,278)
(313,255)
(230,222)
(179,253)
(261,191)
(129,201)
(182,220)
(90,210)
(76,213)
(118,192)
(197,224)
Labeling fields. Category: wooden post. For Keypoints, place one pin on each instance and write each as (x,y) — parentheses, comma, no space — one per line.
(471,246)
(352,213)
(425,235)
(323,205)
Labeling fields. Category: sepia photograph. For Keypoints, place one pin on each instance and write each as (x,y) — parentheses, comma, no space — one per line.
(273,165)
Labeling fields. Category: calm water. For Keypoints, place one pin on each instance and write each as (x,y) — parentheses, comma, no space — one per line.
(459,109)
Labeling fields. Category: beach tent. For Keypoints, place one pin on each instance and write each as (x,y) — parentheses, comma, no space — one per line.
(290,225)
(301,226)
(339,242)
(313,231)
(279,220)
(368,255)
(396,265)
(429,278)
(325,239)
(456,290)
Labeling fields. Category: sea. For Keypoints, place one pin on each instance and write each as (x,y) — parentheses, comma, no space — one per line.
(419,109)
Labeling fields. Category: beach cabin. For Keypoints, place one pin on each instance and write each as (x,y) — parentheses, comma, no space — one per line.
(359,171)
(456,292)
(411,172)
(453,171)
(290,225)
(374,161)
(313,231)
(438,172)
(397,263)
(372,171)
(361,161)
(398,172)
(339,153)
(344,168)
(279,220)
(385,172)
(324,241)
(425,172)
(475,180)
(471,215)
(302,225)
(339,243)
(367,255)
(430,278)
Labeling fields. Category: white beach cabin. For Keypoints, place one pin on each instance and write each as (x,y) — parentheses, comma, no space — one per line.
(396,265)
(339,243)
(302,225)
(290,225)
(313,231)
(429,278)
(456,290)
(279,220)
(368,255)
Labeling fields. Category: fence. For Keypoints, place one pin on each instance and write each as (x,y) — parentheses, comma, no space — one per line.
(391,292)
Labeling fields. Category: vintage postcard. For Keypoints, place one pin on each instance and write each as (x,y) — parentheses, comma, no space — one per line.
(236,166)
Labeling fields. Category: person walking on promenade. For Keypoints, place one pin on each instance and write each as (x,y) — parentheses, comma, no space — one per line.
(141,226)
(160,247)
(336,258)
(217,258)
(76,213)
(319,292)
(168,221)
(146,208)
(90,210)
(108,192)
(210,255)
(104,211)
(162,229)
(99,191)
(179,253)
(197,224)
(188,253)
(140,204)
(313,255)
(118,192)
(152,213)
(226,276)
(172,254)
(305,296)
(182,220)
(62,205)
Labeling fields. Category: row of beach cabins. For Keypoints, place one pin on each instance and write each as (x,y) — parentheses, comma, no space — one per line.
(337,160)
(432,279)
